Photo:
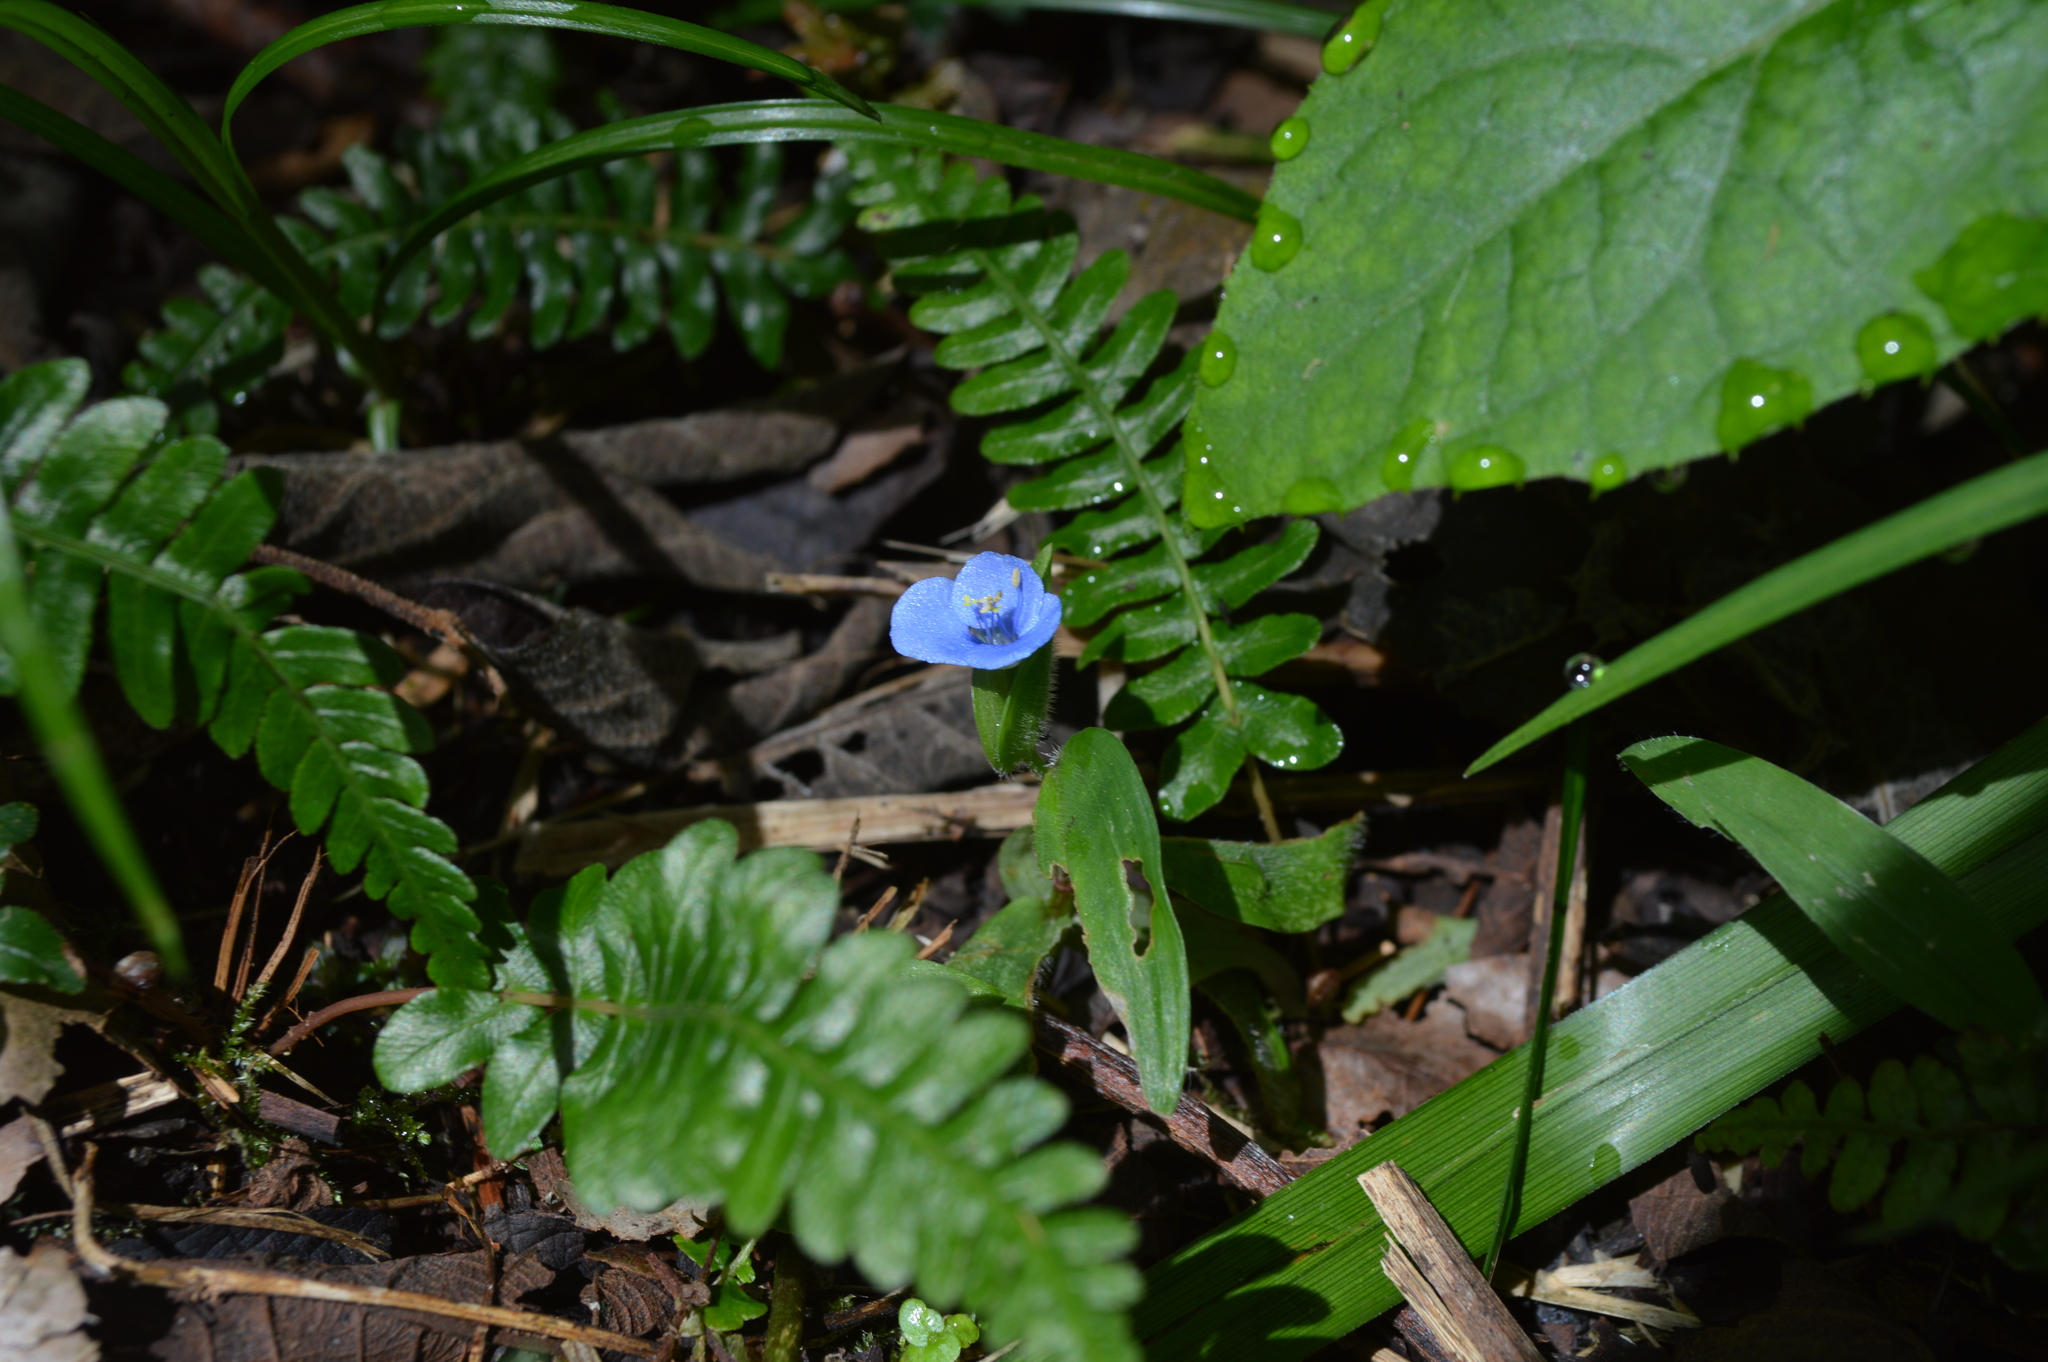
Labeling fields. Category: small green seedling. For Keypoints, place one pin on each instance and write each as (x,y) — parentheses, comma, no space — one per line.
(929,1336)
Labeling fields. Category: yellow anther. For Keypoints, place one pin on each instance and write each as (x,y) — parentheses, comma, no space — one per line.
(986,604)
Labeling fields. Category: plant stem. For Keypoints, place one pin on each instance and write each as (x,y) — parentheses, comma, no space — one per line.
(74,759)
(1573,808)
(786,1305)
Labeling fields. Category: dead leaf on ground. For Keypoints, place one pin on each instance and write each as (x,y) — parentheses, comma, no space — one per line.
(551,1181)
(266,1328)
(909,736)
(28,1042)
(1819,1317)
(863,453)
(20,1150)
(289,1181)
(1675,1217)
(1388,1066)
(627,1303)
(42,1307)
(1494,993)
(763,705)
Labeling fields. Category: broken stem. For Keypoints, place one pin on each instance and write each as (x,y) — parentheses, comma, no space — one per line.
(360,1003)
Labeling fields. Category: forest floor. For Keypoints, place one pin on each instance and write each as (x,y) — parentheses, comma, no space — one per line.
(1445,623)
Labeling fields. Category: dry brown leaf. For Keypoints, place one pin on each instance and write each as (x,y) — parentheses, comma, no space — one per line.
(42,1308)
(290,1180)
(908,738)
(551,1181)
(626,1302)
(268,1328)
(862,454)
(1387,1067)
(1494,993)
(20,1150)
(1676,1217)
(28,1041)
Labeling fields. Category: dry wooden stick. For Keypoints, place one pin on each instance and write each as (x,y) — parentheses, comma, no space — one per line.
(1191,1125)
(391,998)
(227,1281)
(1430,1267)
(291,927)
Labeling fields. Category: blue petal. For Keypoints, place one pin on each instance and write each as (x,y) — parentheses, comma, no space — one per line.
(924,626)
(994,657)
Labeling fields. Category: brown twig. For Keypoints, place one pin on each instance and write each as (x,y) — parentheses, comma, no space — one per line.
(306,963)
(213,1281)
(361,1003)
(1191,1125)
(400,1203)
(224,961)
(444,625)
(291,927)
(939,942)
(242,1217)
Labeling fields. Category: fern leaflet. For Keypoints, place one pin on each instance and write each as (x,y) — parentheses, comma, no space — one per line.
(95,498)
(1973,1142)
(995,280)
(701,1039)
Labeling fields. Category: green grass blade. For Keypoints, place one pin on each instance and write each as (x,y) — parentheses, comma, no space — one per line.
(1571,809)
(1902,921)
(262,249)
(802,120)
(1279,17)
(1978,507)
(162,110)
(1627,1077)
(574,15)
(221,234)
(67,744)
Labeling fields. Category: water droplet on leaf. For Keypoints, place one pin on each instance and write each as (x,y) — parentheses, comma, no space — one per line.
(1354,37)
(1583,670)
(1606,1163)
(1204,499)
(1484,466)
(1290,139)
(1608,472)
(1895,346)
(1757,399)
(1312,496)
(1404,452)
(1276,238)
(1219,359)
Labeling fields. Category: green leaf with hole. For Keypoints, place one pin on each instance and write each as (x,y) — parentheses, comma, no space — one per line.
(1095,821)
(1558,229)
(1901,920)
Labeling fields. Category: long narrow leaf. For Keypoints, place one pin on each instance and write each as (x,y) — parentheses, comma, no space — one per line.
(1301,20)
(74,758)
(809,120)
(1629,1077)
(1979,507)
(219,232)
(575,15)
(1902,921)
(162,110)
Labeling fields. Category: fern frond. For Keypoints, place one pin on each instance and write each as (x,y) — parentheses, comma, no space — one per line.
(1972,1142)
(995,276)
(96,498)
(210,352)
(701,1039)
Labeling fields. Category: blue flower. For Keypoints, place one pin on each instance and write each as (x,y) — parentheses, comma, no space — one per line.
(993,615)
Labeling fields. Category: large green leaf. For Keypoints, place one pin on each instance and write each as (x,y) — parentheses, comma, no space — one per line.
(1560,228)
(1094,820)
(702,1038)
(1626,1078)
(1902,921)
(1291,886)
(1981,506)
